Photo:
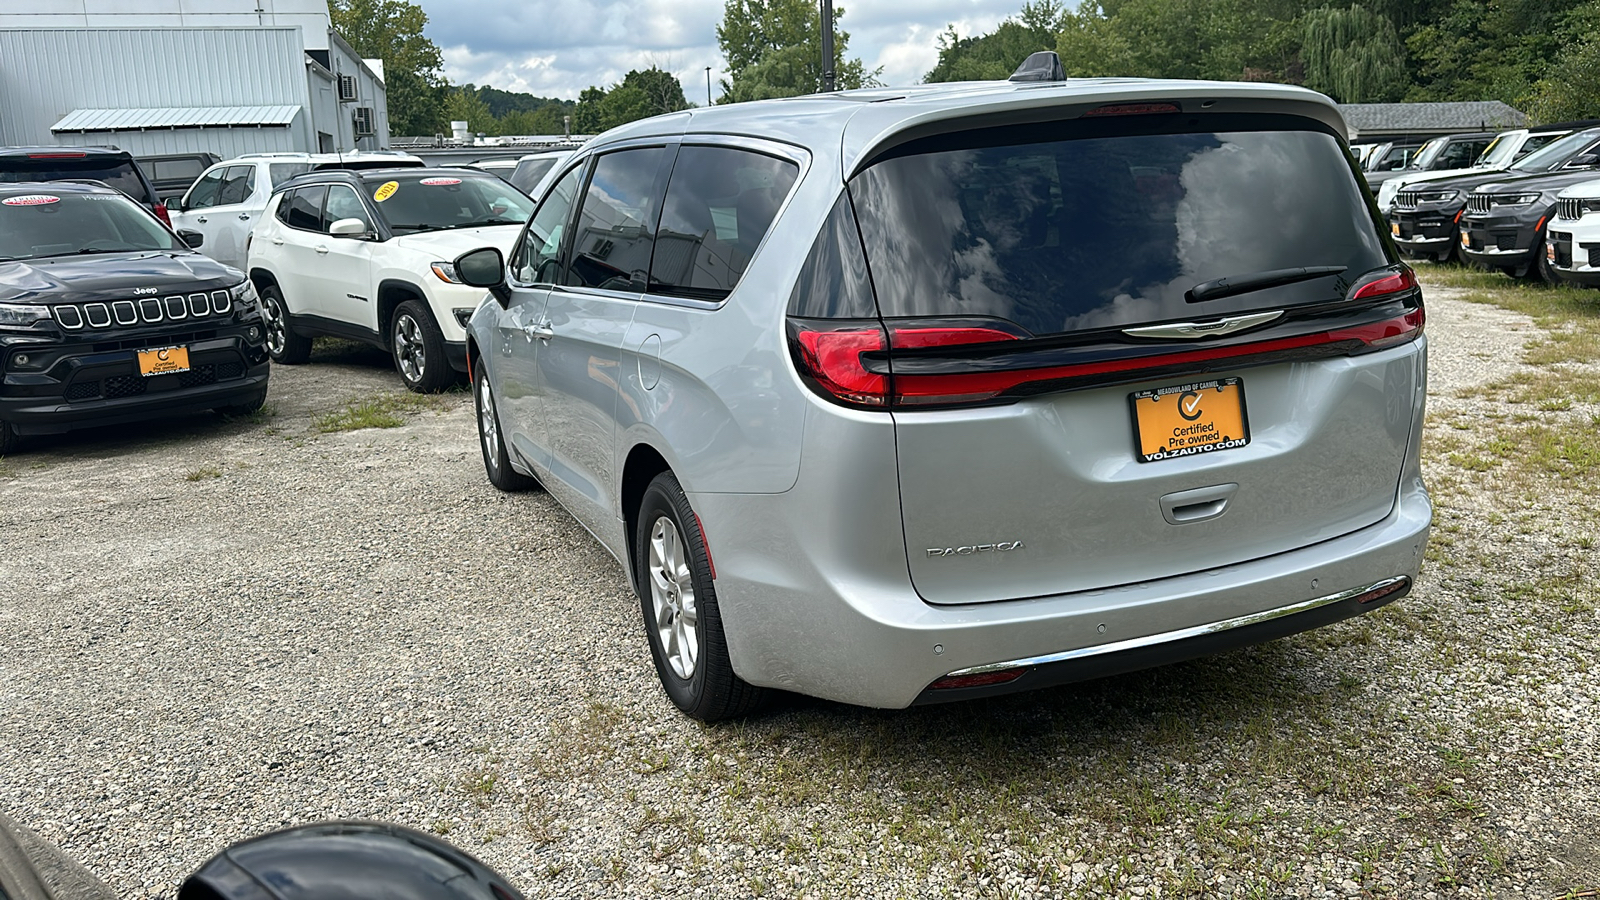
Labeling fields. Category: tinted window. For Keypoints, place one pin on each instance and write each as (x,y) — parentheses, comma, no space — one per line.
(611,244)
(304,208)
(174,169)
(1534,143)
(204,193)
(833,281)
(121,175)
(538,258)
(281,172)
(342,203)
(1556,152)
(719,205)
(46,224)
(237,183)
(529,172)
(1060,233)
(1459,155)
(429,202)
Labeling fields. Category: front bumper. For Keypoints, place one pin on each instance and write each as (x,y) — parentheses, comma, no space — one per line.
(1510,241)
(1423,231)
(1573,250)
(89,383)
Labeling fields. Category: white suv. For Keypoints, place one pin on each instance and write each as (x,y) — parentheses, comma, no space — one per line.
(226,200)
(364,255)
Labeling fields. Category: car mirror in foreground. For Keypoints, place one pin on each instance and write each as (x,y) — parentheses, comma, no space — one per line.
(351,227)
(345,861)
(484,268)
(191,238)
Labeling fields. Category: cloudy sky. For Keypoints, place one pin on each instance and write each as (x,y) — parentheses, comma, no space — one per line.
(556,48)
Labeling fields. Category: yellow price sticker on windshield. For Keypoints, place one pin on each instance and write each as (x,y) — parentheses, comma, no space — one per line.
(385,191)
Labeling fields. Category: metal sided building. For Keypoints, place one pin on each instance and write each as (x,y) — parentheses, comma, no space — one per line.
(180,76)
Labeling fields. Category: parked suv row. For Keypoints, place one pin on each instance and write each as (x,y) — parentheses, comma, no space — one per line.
(946,391)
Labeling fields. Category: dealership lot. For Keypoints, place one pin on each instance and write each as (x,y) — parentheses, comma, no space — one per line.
(211,629)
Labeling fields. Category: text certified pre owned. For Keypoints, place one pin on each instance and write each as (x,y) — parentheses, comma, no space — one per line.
(1186,419)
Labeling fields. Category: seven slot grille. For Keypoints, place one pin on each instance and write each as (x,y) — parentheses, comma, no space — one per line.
(1569,208)
(1478,203)
(1407,199)
(148,310)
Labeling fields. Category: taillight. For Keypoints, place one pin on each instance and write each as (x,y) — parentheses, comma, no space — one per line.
(162,214)
(1394,283)
(1132,109)
(57,155)
(832,360)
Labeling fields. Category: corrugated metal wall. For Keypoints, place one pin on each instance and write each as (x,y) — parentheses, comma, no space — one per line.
(225,142)
(45,74)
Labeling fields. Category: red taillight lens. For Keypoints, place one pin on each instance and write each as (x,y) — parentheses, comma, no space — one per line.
(1132,109)
(162,214)
(833,360)
(919,338)
(57,155)
(1403,280)
(1004,676)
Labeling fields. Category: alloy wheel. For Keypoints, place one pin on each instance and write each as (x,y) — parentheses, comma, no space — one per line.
(672,599)
(488,424)
(409,353)
(273,314)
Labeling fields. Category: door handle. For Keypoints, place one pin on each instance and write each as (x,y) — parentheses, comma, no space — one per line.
(278,241)
(541,330)
(244,217)
(201,220)
(1198,505)
(322,248)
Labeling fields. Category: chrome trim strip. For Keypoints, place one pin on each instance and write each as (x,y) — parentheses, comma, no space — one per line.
(198,305)
(1407,242)
(119,307)
(1496,251)
(63,313)
(104,318)
(1190,330)
(1165,637)
(221,302)
(175,307)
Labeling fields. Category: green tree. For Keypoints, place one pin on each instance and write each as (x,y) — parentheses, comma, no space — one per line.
(774,49)
(467,106)
(662,91)
(1353,55)
(996,55)
(391,30)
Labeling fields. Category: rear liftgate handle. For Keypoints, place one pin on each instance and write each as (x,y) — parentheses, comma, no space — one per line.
(1198,505)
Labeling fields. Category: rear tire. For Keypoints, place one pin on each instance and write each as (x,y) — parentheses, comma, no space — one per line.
(681,616)
(492,441)
(9,439)
(417,346)
(283,345)
(248,408)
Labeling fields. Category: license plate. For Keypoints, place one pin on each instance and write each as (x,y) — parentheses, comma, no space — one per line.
(163,361)
(1188,419)
(1394,228)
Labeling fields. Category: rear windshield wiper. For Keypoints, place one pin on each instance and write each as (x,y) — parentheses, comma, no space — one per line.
(1234,285)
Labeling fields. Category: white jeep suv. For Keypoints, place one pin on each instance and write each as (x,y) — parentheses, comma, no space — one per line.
(364,255)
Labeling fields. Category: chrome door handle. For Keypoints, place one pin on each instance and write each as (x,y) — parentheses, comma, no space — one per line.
(542,330)
(278,241)
(322,248)
(201,220)
(244,217)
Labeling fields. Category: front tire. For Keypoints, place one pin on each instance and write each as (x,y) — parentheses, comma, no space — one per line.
(247,408)
(418,349)
(283,345)
(491,440)
(681,617)
(9,439)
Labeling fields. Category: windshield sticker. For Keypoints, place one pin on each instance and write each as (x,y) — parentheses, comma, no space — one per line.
(31,200)
(385,191)
(439,182)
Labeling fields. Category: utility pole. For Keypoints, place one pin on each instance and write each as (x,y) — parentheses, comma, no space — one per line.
(827,46)
(708,85)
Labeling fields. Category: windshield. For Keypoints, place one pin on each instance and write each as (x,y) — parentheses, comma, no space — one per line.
(62,224)
(118,174)
(1425,156)
(1498,154)
(530,172)
(1554,154)
(412,203)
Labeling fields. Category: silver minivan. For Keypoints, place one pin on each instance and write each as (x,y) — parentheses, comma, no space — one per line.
(905,396)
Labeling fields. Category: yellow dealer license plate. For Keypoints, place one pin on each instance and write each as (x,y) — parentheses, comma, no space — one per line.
(164,361)
(1394,228)
(1188,419)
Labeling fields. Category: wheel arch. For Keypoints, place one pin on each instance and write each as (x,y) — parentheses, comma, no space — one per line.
(391,293)
(643,464)
(262,278)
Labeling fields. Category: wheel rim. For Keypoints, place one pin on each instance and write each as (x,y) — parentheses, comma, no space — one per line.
(677,618)
(409,354)
(276,329)
(488,425)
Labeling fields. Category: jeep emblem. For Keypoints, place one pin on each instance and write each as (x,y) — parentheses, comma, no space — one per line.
(140,292)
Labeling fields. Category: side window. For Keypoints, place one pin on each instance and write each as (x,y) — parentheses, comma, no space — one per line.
(305,208)
(1459,155)
(278,173)
(719,205)
(343,203)
(538,258)
(204,193)
(237,183)
(615,229)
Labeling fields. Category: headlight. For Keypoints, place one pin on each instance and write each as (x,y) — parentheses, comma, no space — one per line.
(244,296)
(1438,196)
(1589,206)
(1513,199)
(22,316)
(445,272)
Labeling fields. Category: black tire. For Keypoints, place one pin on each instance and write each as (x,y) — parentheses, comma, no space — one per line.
(709,690)
(283,345)
(417,346)
(492,441)
(247,408)
(1456,255)
(1540,269)
(9,439)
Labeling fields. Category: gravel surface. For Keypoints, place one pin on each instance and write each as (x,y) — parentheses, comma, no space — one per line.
(212,629)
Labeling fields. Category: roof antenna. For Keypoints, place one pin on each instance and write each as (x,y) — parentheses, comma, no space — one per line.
(1042,66)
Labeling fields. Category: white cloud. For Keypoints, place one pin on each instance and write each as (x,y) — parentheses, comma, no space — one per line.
(557,48)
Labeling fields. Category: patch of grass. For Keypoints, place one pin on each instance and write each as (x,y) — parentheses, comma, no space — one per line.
(6,470)
(203,473)
(267,412)
(381,411)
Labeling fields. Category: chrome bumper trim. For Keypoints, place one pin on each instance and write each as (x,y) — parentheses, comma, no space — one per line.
(1194,631)
(1413,242)
(1497,251)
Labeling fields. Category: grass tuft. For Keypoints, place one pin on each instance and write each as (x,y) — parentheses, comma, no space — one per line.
(380,411)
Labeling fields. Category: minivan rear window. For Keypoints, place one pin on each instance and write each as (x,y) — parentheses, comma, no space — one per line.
(1064,227)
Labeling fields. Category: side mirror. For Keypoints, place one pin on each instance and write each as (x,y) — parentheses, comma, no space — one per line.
(351,227)
(176,203)
(192,238)
(345,859)
(485,268)
(1583,161)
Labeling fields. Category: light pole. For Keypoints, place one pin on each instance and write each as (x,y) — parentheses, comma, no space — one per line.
(708,85)
(827,46)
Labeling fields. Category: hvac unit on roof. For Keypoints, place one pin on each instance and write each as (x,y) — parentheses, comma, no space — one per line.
(363,121)
(347,88)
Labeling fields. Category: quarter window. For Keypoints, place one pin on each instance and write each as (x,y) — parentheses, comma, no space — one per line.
(616,228)
(719,205)
(538,259)
(305,208)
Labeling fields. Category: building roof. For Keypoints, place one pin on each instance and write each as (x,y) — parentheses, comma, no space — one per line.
(83,120)
(1435,117)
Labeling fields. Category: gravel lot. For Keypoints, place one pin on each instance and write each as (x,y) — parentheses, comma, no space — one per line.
(212,629)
